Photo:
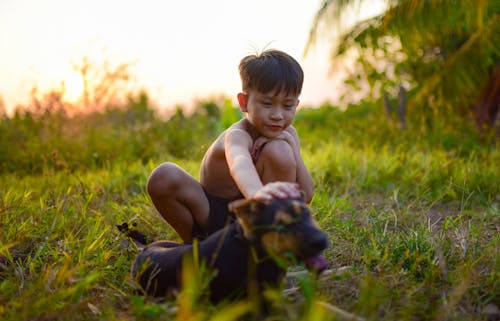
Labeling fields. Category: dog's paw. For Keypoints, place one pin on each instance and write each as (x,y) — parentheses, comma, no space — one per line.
(134,234)
(123,228)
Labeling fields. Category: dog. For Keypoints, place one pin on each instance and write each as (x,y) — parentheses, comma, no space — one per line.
(252,252)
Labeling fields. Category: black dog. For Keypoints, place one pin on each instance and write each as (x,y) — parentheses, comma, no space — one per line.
(252,251)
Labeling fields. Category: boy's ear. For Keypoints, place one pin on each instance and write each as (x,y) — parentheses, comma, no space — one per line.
(242,101)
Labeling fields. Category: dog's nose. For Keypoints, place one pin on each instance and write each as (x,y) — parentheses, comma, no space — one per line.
(319,242)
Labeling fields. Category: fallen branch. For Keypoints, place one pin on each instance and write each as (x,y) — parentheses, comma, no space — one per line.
(342,314)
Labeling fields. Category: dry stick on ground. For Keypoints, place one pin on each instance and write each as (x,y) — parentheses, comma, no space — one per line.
(323,274)
(342,314)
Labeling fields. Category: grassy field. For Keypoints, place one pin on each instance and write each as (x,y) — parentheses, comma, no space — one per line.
(413,216)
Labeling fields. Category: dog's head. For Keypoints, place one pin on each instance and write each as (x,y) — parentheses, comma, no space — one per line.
(281,227)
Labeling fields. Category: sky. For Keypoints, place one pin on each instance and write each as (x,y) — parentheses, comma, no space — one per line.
(179,51)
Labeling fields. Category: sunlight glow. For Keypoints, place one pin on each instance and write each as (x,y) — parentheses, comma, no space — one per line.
(73,88)
(180,50)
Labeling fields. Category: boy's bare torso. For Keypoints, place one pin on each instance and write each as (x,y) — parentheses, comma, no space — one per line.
(215,176)
(214,172)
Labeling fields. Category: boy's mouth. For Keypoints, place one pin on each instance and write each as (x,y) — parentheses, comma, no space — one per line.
(274,127)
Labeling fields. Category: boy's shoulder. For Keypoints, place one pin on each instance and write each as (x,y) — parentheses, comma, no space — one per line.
(236,132)
(290,129)
(240,128)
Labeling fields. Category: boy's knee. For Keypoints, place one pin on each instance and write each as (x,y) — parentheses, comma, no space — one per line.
(279,155)
(163,180)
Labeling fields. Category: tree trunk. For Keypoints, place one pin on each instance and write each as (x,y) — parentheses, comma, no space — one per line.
(402,107)
(387,105)
(488,103)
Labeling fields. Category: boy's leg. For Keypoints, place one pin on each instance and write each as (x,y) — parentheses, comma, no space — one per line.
(276,162)
(179,198)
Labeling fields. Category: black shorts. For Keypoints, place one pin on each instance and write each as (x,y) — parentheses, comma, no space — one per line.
(218,216)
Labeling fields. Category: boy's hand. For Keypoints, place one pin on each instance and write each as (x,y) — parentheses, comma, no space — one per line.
(277,190)
(257,147)
(259,142)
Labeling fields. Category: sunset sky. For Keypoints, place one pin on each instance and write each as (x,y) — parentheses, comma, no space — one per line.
(180,50)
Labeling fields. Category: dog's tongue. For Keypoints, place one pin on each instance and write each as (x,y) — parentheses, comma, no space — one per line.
(317,263)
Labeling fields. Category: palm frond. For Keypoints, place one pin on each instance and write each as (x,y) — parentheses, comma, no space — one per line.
(330,14)
(450,47)
(467,70)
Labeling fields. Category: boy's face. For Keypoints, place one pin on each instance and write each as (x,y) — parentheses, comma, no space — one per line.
(270,113)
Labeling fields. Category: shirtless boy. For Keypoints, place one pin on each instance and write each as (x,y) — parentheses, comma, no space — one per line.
(257,157)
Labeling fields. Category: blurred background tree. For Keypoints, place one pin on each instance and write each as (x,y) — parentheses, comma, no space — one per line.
(446,53)
(103,82)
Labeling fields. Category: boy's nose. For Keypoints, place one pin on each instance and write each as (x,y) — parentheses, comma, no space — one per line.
(276,115)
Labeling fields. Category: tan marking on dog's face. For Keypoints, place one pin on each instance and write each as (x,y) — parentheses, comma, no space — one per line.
(280,243)
(245,211)
(254,207)
(282,217)
(245,225)
(298,207)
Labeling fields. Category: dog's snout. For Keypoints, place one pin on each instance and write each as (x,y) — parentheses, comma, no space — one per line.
(319,242)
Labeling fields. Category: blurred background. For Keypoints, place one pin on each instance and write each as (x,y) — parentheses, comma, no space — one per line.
(75,72)
(93,52)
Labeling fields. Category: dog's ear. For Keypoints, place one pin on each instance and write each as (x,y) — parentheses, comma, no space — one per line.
(237,205)
(245,208)
(246,211)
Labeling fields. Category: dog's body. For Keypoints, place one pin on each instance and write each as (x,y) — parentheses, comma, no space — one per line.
(243,254)
(225,251)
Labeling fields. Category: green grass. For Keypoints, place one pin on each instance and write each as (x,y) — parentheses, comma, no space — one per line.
(413,217)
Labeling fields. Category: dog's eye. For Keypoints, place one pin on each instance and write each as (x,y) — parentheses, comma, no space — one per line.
(279,228)
(283,217)
(298,208)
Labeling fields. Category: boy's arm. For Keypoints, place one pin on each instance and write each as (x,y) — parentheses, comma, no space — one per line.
(237,145)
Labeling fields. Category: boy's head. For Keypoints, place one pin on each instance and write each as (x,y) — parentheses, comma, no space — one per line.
(271,70)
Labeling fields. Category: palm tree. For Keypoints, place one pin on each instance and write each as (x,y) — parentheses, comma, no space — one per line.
(447,52)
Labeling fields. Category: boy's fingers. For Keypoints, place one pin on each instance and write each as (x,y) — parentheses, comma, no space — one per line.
(262,195)
(285,189)
(277,190)
(279,194)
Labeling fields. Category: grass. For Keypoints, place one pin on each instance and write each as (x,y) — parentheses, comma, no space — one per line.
(413,217)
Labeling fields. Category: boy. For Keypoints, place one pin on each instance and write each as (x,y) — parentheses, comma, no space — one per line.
(257,157)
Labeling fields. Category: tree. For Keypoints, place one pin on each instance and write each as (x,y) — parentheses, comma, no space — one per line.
(104,83)
(3,110)
(447,52)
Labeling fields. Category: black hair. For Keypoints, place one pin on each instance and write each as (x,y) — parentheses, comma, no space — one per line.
(271,70)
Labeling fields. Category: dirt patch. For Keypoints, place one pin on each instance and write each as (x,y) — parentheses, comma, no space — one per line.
(438,213)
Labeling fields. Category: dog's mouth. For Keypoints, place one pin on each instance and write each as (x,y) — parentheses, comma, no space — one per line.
(317,263)
(313,250)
